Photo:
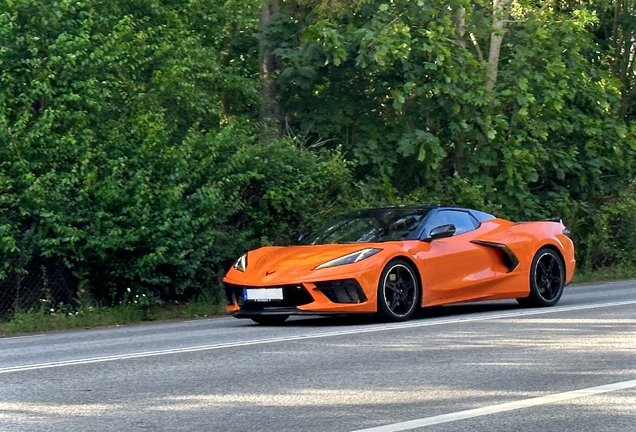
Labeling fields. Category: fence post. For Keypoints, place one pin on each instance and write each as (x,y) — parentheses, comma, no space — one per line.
(16,303)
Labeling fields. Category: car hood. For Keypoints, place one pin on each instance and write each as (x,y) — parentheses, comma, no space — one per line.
(272,265)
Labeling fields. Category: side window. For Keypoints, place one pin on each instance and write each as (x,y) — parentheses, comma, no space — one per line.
(462,220)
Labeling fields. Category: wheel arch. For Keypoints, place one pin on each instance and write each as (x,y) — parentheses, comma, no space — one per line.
(417,274)
(558,252)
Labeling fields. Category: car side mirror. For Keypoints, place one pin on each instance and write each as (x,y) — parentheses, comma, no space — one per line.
(442,231)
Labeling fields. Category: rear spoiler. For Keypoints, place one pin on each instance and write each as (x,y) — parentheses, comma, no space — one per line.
(554,219)
(559,220)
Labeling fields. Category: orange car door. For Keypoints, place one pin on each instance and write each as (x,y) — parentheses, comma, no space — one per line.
(453,269)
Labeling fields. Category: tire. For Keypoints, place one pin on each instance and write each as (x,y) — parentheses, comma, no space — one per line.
(547,279)
(270,320)
(398,291)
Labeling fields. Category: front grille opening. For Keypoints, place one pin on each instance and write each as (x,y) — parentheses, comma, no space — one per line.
(293,295)
(342,291)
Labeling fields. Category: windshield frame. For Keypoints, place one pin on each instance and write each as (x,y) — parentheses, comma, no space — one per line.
(374,214)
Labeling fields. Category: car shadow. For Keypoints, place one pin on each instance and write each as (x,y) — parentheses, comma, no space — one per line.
(422,314)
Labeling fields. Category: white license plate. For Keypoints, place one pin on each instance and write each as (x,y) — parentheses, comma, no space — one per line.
(263,294)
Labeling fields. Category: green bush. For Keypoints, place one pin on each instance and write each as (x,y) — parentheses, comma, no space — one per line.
(164,221)
(128,149)
(610,241)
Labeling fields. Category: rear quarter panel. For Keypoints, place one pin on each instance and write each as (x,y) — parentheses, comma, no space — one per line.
(526,238)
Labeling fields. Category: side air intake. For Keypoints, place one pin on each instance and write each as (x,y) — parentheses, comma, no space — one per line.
(342,291)
(509,259)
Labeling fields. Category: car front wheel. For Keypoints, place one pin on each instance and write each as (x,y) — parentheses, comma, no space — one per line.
(398,291)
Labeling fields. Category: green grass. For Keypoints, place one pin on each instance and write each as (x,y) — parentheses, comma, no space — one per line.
(87,316)
(604,274)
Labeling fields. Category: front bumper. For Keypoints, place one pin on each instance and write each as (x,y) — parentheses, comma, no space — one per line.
(320,298)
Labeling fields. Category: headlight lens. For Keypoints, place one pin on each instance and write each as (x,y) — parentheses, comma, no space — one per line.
(350,259)
(241,263)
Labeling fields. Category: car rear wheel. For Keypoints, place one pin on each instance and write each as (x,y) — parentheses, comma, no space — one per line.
(398,291)
(547,279)
(270,320)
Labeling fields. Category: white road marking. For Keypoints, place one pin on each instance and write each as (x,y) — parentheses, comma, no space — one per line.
(499,408)
(358,330)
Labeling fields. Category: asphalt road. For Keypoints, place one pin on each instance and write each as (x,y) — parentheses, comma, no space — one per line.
(479,367)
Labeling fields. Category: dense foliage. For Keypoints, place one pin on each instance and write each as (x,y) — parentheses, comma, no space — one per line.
(129,149)
(402,88)
(136,148)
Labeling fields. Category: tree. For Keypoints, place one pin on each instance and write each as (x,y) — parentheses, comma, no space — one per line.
(129,146)
(499,16)
(616,32)
(397,86)
(271,115)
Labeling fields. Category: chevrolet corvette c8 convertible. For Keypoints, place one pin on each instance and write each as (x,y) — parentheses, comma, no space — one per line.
(392,261)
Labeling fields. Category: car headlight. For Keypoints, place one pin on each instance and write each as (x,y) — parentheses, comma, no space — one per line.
(241,263)
(350,259)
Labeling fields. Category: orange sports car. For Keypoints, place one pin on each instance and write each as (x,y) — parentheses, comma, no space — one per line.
(391,261)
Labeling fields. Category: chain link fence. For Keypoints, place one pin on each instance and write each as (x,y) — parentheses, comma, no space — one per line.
(42,281)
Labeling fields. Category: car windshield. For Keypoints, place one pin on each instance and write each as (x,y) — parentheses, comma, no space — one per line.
(366,226)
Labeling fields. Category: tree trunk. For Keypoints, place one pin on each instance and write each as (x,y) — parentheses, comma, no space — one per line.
(624,43)
(460,26)
(271,118)
(499,16)
(459,21)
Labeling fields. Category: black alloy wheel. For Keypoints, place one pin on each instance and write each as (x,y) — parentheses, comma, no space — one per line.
(547,279)
(270,320)
(398,291)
